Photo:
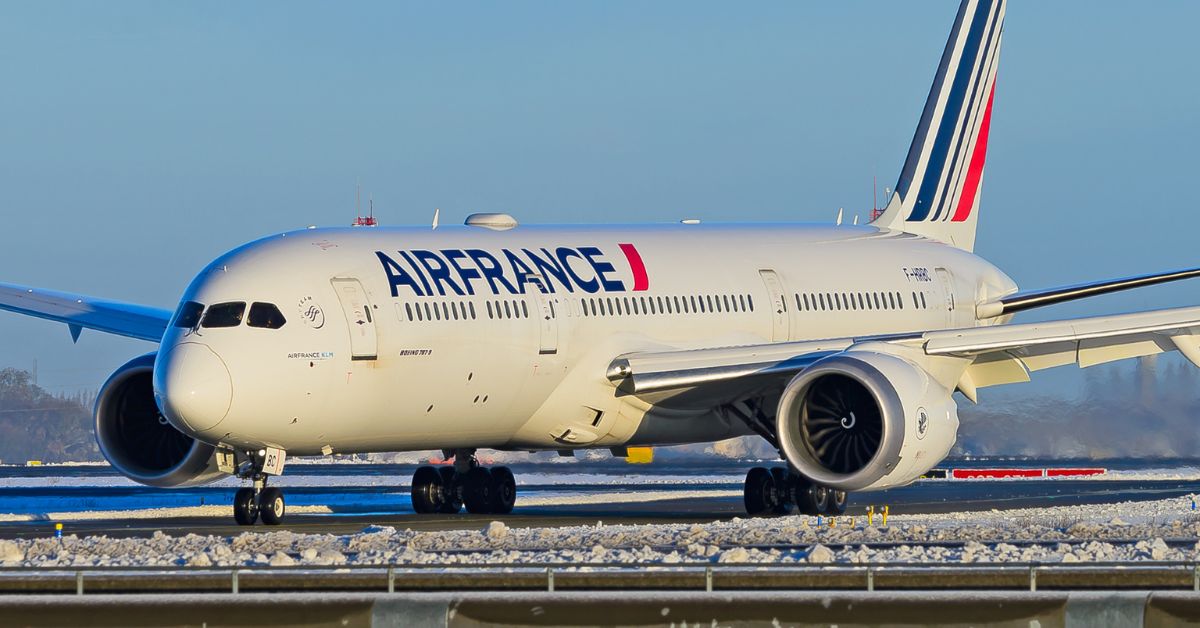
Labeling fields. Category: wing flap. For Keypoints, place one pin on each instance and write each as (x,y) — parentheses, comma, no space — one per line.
(979,340)
(641,373)
(83,312)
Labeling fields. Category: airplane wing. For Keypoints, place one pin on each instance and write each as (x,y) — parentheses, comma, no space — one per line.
(998,355)
(80,312)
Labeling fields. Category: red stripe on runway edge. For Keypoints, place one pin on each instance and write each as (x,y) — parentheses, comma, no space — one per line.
(968,474)
(640,280)
(991,474)
(975,170)
(1058,473)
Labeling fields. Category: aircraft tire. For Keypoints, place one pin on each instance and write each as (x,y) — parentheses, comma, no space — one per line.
(837,503)
(271,506)
(245,507)
(758,492)
(504,497)
(478,488)
(452,500)
(811,498)
(426,490)
(783,492)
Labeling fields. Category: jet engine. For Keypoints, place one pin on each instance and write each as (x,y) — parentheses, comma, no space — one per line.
(136,438)
(865,420)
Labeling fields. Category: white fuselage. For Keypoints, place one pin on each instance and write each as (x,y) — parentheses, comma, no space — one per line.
(380,352)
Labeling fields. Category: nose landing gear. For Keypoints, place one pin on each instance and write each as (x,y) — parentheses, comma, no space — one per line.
(446,490)
(777,491)
(251,503)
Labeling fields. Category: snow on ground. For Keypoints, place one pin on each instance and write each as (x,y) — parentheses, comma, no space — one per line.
(1132,531)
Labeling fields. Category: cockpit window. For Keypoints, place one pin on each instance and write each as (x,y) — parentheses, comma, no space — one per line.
(265,315)
(224,315)
(188,315)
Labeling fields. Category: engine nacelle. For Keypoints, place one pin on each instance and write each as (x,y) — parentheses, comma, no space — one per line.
(138,441)
(865,420)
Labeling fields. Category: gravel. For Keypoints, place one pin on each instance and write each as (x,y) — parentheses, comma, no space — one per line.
(1135,531)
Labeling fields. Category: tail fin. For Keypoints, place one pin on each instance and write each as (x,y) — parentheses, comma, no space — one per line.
(938,191)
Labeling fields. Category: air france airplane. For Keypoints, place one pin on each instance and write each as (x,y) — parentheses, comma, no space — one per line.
(516,337)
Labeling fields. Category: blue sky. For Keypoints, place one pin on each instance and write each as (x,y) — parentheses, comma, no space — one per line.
(138,140)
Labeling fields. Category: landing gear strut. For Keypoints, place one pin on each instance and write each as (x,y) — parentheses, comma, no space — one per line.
(258,501)
(777,491)
(446,490)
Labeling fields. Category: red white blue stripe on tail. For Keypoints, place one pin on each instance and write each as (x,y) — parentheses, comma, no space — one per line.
(938,191)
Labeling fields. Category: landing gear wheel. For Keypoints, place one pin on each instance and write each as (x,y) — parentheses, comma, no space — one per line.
(426,490)
(758,492)
(271,505)
(505,494)
(811,499)
(245,507)
(783,493)
(836,504)
(451,491)
(478,488)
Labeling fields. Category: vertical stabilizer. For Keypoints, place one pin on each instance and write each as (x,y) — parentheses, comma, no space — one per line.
(938,192)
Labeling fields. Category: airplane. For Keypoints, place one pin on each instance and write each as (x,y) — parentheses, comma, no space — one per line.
(841,345)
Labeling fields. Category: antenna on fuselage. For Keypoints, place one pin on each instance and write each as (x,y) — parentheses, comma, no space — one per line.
(856,219)
(838,222)
(360,220)
(437,212)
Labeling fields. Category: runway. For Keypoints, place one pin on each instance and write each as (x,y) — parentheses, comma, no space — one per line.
(353,497)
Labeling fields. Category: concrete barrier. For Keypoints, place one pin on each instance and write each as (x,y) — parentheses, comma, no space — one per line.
(809,608)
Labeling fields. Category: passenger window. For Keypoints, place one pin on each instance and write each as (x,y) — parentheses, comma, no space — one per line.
(265,315)
(750,301)
(224,315)
(188,315)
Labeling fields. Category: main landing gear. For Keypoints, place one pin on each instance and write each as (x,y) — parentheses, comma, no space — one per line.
(778,490)
(446,490)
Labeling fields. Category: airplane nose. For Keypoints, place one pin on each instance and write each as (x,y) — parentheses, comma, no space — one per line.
(193,387)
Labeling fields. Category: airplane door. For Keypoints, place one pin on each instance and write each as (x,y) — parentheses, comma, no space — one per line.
(543,308)
(359,319)
(780,320)
(947,282)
